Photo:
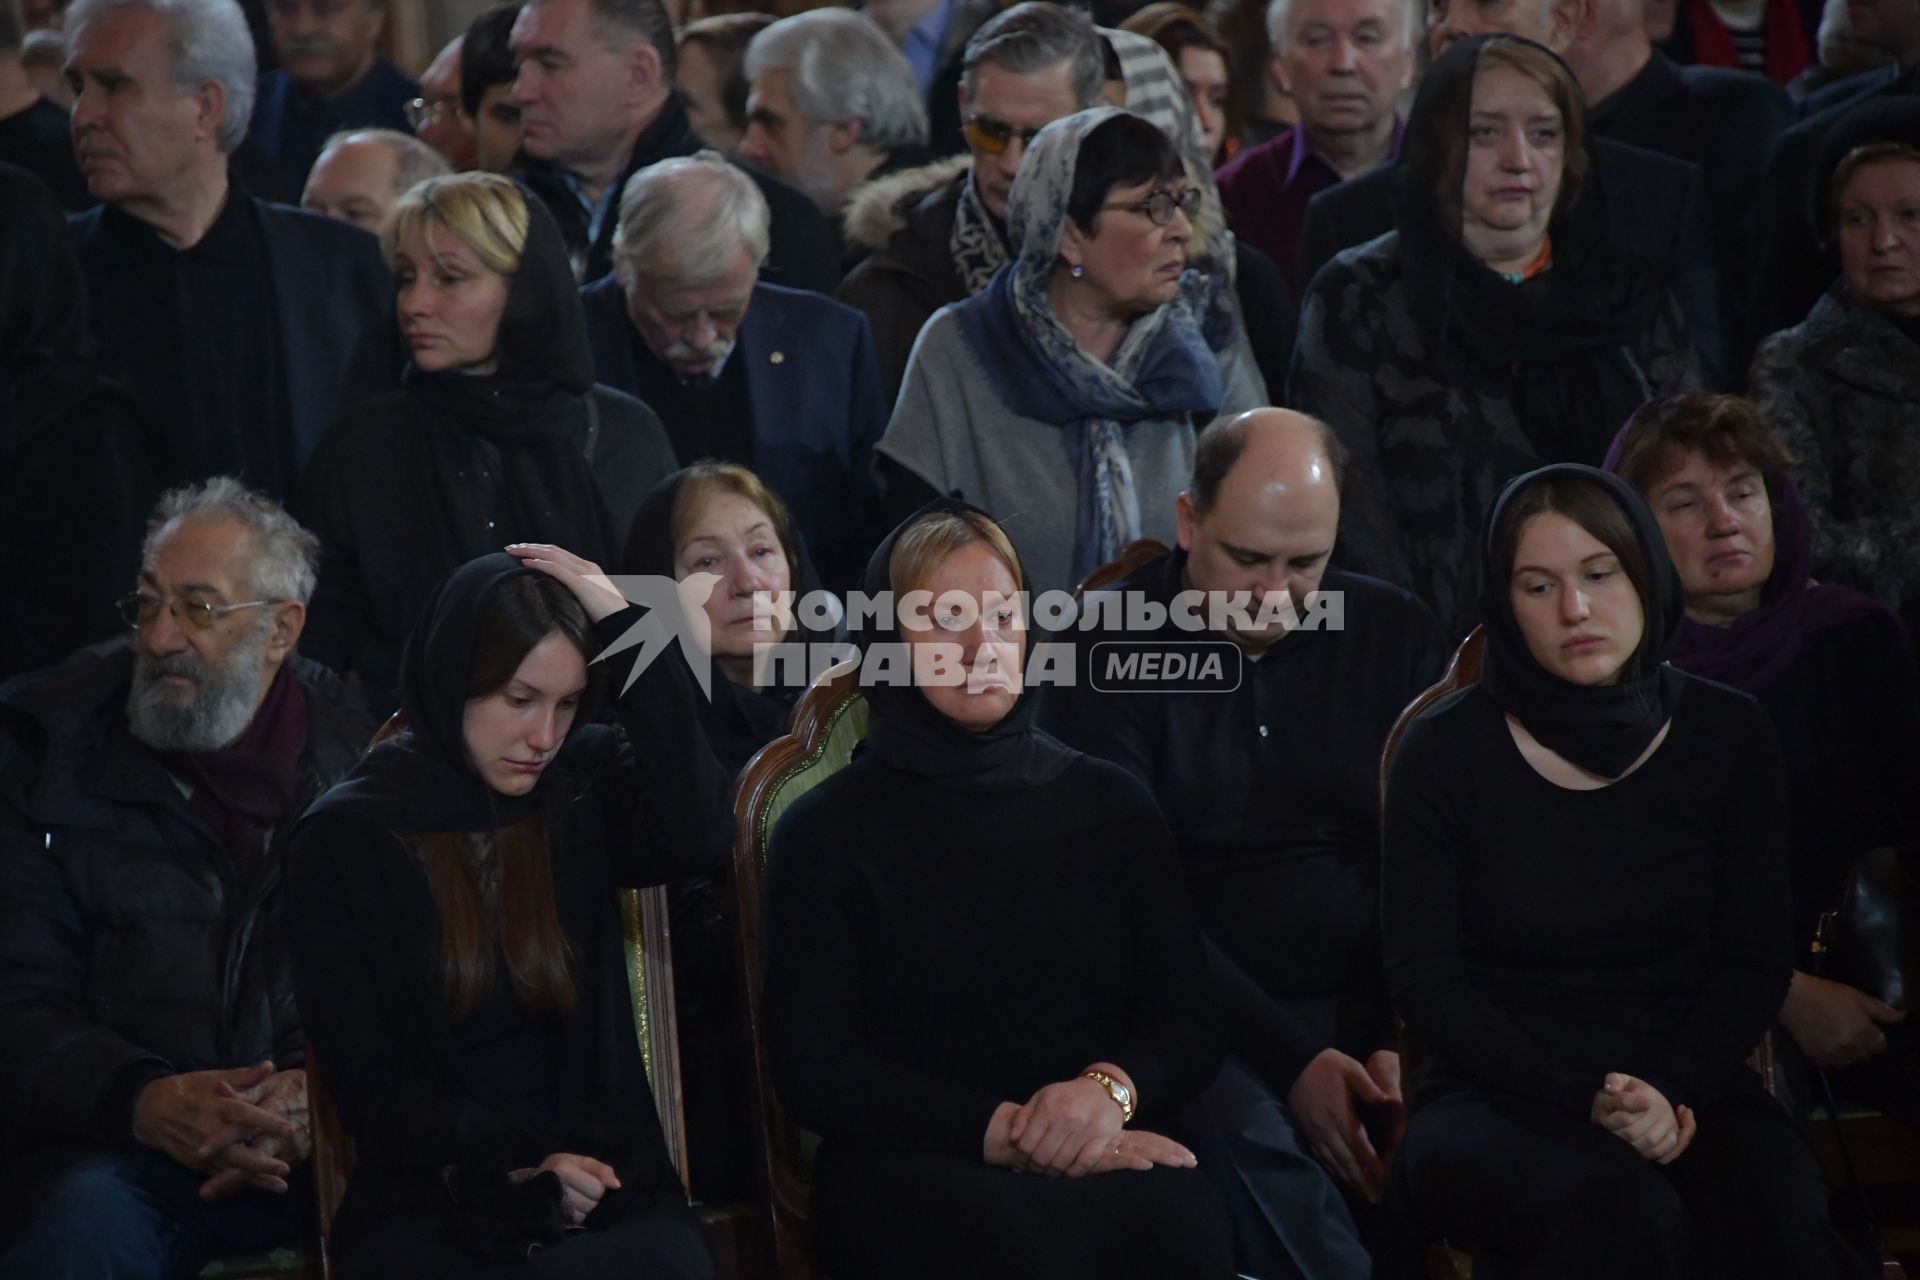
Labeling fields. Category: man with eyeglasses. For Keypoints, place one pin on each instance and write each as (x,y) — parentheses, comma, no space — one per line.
(936,235)
(435,116)
(151,1058)
(331,77)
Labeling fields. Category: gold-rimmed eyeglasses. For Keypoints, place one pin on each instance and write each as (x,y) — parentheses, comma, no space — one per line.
(140,609)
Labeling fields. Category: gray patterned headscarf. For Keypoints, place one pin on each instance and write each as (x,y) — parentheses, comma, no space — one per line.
(1109,509)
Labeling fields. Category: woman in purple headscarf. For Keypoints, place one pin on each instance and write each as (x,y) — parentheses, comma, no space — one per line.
(1836,674)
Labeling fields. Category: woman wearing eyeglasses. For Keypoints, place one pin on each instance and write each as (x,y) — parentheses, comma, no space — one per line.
(1067,394)
(1494,330)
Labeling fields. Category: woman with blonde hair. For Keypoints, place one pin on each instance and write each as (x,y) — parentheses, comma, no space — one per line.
(497,433)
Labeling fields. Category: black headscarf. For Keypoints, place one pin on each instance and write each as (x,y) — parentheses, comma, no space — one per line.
(531,411)
(1601,728)
(1552,344)
(738,720)
(422,780)
(905,731)
(46,348)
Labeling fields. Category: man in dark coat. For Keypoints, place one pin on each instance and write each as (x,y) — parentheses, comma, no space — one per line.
(331,77)
(33,131)
(1722,120)
(778,380)
(1023,69)
(1269,779)
(151,1057)
(597,105)
(241,328)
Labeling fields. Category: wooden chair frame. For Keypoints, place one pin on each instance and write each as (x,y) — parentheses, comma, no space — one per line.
(789,1195)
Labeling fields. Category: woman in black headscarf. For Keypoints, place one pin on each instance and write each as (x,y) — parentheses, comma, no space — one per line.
(458,945)
(76,475)
(496,434)
(1495,329)
(719,518)
(1584,897)
(980,964)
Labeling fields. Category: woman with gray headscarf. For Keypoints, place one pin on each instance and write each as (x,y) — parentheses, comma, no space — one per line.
(1065,397)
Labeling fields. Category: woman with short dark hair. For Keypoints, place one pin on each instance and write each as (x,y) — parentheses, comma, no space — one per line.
(458,947)
(1067,394)
(1584,900)
(1495,329)
(1835,673)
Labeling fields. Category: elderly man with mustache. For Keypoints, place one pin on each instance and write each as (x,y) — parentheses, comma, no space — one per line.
(151,1057)
(781,381)
(331,77)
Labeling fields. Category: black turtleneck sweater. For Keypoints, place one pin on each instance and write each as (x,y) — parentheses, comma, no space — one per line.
(933,951)
(1538,938)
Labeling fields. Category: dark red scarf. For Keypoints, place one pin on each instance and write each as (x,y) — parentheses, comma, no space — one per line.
(1788,52)
(244,789)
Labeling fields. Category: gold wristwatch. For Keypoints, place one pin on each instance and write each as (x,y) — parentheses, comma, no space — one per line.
(1121,1095)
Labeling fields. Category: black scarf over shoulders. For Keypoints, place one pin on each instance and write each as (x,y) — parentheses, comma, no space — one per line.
(1601,728)
(905,731)
(1553,343)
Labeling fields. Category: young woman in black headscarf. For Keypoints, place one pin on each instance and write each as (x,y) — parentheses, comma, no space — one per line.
(496,434)
(458,945)
(980,964)
(1495,329)
(1584,895)
(77,472)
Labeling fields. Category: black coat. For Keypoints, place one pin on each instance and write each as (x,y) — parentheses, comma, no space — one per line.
(802,251)
(332,302)
(1657,208)
(130,945)
(1725,122)
(365,942)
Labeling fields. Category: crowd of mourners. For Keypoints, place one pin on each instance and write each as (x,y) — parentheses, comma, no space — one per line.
(333,401)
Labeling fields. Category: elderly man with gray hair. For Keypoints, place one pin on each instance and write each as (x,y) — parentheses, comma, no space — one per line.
(778,380)
(242,328)
(362,172)
(832,103)
(151,1057)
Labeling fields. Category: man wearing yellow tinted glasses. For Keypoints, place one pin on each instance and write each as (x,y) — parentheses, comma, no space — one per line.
(941,240)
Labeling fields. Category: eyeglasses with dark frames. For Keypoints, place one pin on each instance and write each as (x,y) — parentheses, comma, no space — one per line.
(1160,204)
(140,610)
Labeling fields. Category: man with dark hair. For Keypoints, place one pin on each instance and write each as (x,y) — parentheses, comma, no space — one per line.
(487,73)
(241,328)
(33,131)
(1269,779)
(331,77)
(151,1057)
(435,114)
(597,105)
(936,235)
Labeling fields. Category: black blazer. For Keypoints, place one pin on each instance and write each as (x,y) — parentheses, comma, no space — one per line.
(332,305)
(1657,207)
